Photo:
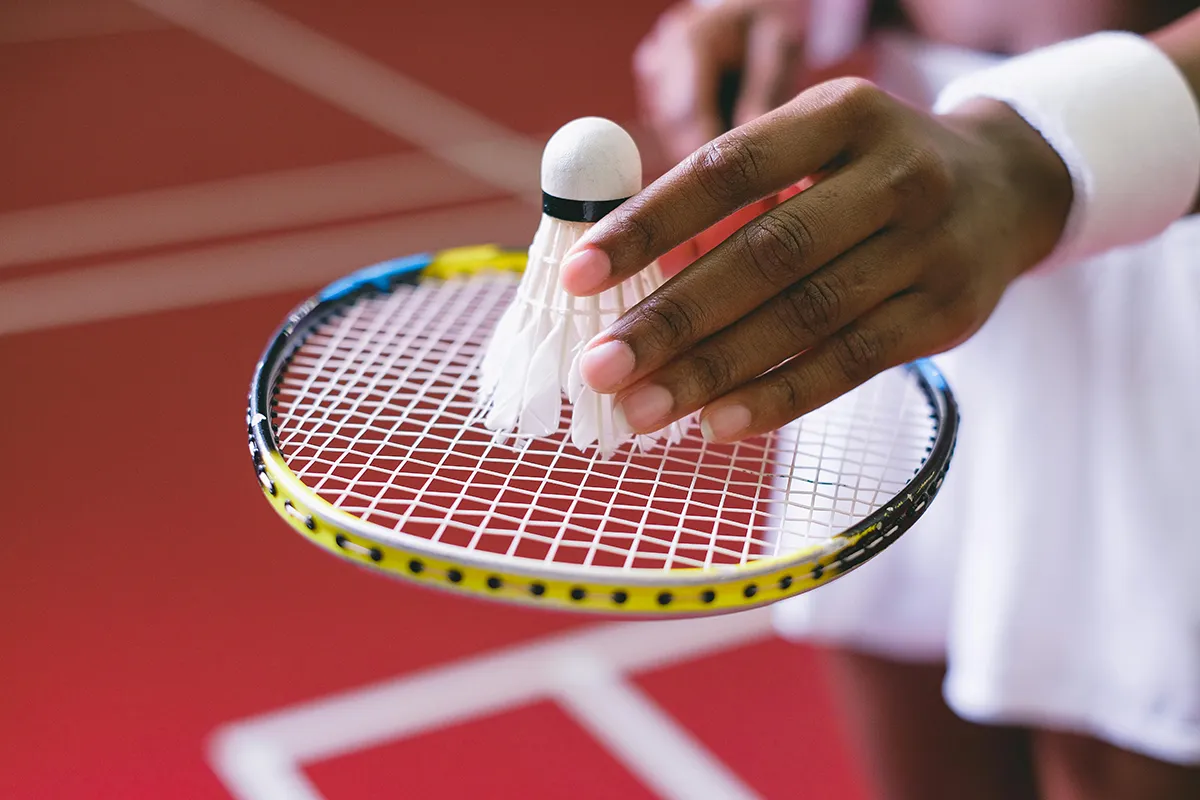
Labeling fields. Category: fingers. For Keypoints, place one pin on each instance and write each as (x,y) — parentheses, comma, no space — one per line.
(687,103)
(900,330)
(677,71)
(800,317)
(738,168)
(771,60)
(767,255)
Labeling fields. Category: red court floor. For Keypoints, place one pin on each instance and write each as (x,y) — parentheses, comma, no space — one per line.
(176,175)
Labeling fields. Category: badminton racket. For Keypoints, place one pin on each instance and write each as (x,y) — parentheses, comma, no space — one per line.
(366,437)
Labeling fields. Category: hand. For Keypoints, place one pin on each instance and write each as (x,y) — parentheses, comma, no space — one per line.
(901,249)
(680,66)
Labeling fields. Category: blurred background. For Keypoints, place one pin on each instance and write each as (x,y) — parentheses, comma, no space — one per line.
(176,175)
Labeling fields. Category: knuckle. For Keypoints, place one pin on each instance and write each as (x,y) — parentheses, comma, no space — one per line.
(729,168)
(787,394)
(639,228)
(859,354)
(672,323)
(937,174)
(858,97)
(775,245)
(921,179)
(711,373)
(812,308)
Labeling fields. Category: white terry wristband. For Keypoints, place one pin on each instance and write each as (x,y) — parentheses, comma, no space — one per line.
(1121,117)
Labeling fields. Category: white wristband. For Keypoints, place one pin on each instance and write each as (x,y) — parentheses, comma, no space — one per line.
(1121,117)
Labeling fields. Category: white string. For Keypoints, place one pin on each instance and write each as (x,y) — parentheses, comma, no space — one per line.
(353,358)
(397,340)
(377,413)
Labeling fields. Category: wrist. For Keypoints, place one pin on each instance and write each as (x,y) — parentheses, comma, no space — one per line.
(1122,117)
(1025,168)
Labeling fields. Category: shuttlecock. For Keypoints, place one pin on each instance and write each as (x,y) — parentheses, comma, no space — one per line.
(589,167)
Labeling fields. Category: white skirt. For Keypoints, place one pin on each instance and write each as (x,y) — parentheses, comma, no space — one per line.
(1058,572)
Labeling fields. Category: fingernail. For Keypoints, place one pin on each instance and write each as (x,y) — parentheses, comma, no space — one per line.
(645,409)
(725,423)
(604,366)
(586,270)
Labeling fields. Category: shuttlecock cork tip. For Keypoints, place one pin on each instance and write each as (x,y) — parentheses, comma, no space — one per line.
(589,167)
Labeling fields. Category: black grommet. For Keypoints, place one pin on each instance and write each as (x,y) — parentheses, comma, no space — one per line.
(494,583)
(785,582)
(619,597)
(455,576)
(665,598)
(708,595)
(750,590)
(415,567)
(538,589)
(376,554)
(311,524)
(817,572)
(340,541)
(578,593)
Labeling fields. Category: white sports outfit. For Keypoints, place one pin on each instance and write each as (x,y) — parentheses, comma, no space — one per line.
(1058,572)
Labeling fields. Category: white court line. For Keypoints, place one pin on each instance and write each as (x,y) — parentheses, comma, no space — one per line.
(262,758)
(362,87)
(288,198)
(53,20)
(646,739)
(353,83)
(246,269)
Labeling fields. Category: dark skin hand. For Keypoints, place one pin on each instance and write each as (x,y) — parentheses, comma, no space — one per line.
(902,249)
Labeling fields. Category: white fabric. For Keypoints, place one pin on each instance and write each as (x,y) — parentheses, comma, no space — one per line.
(1058,572)
(1120,115)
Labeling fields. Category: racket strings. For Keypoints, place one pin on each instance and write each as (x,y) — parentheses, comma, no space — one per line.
(377,413)
(860,442)
(365,349)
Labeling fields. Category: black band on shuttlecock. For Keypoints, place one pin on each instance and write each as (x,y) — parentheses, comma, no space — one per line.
(578,210)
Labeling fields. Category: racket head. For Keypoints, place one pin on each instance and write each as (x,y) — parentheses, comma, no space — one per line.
(421,490)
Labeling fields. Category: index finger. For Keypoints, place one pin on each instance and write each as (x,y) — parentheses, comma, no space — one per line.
(730,172)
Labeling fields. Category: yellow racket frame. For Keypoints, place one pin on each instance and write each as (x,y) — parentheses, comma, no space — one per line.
(606,590)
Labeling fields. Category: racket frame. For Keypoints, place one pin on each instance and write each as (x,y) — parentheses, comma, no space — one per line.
(606,590)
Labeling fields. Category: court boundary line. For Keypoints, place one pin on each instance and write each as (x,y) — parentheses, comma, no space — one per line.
(363,88)
(584,672)
(439,125)
(442,127)
(263,266)
(48,21)
(250,203)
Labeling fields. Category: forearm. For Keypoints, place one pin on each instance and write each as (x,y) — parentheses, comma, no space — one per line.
(1181,42)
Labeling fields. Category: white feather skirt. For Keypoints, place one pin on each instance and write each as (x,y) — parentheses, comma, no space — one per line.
(532,359)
